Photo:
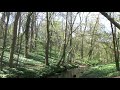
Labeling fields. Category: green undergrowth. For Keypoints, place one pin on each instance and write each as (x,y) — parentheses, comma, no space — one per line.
(32,67)
(23,72)
(101,71)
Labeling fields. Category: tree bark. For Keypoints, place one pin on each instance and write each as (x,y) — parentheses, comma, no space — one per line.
(111,19)
(14,39)
(36,32)
(18,42)
(27,33)
(114,43)
(62,60)
(93,38)
(32,34)
(48,40)
(51,43)
(2,25)
(20,46)
(71,30)
(115,51)
(5,37)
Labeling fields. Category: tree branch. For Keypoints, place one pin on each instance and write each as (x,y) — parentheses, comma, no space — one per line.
(111,19)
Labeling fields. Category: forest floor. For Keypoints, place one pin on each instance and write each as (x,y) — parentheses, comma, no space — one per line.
(32,67)
(101,71)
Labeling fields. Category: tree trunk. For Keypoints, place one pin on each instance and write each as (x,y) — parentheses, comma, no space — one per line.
(93,38)
(20,47)
(50,44)
(27,33)
(32,34)
(62,60)
(14,39)
(36,34)
(18,42)
(71,30)
(2,25)
(48,40)
(82,42)
(5,37)
(82,48)
(117,45)
(115,51)
(111,19)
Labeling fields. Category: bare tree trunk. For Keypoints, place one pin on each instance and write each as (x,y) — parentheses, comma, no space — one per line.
(20,47)
(18,42)
(71,30)
(91,45)
(2,25)
(93,39)
(82,48)
(14,39)
(82,42)
(27,33)
(36,34)
(48,40)
(117,44)
(115,51)
(62,60)
(111,19)
(50,44)
(5,37)
(32,33)
(114,42)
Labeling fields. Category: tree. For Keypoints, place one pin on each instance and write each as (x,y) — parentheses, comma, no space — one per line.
(114,38)
(82,36)
(115,49)
(48,39)
(111,19)
(27,33)
(32,33)
(93,37)
(2,24)
(18,41)
(71,29)
(5,37)
(61,61)
(14,39)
